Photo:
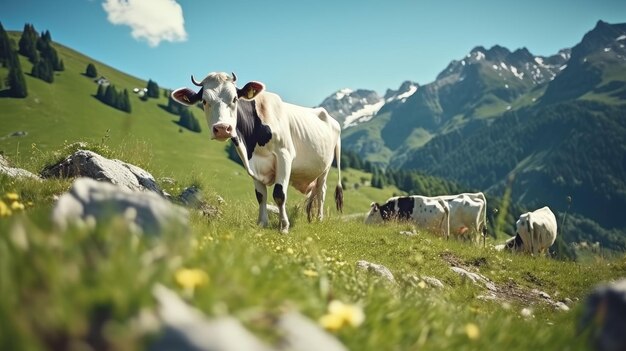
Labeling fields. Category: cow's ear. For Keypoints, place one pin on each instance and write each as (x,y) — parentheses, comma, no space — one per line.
(250,90)
(187,96)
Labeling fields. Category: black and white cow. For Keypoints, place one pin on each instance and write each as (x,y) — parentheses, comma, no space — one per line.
(431,213)
(535,232)
(279,143)
(468,215)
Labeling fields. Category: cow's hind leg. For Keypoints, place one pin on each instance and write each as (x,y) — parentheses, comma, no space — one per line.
(261,196)
(320,194)
(283,171)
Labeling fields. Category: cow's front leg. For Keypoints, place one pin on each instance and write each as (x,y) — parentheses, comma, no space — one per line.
(261,197)
(283,171)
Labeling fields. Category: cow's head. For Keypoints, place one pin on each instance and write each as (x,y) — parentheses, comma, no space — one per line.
(219,95)
(374,215)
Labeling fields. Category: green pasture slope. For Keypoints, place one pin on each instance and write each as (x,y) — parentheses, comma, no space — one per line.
(91,289)
(66,111)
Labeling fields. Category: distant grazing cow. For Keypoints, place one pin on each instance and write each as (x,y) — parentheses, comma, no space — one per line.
(536,232)
(425,212)
(468,214)
(279,143)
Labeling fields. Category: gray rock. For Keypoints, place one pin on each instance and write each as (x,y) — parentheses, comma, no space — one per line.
(187,329)
(379,269)
(301,334)
(475,278)
(561,306)
(605,314)
(434,282)
(85,163)
(5,168)
(89,202)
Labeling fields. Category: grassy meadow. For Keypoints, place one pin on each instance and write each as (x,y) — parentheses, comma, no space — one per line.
(92,289)
(65,289)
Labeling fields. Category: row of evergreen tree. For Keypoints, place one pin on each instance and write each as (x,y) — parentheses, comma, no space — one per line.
(39,50)
(9,58)
(110,96)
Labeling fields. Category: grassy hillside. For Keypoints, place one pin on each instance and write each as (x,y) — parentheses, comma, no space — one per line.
(66,111)
(63,289)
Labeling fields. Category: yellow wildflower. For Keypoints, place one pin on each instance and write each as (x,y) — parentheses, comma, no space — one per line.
(290,251)
(310,273)
(422,284)
(340,315)
(12,196)
(189,279)
(472,331)
(17,206)
(5,211)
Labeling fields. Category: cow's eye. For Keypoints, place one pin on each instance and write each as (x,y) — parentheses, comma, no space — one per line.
(234,99)
(204,102)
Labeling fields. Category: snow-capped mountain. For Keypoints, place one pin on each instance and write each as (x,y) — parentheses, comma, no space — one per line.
(353,107)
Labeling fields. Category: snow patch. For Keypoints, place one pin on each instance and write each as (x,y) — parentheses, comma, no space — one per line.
(519,75)
(503,65)
(406,94)
(363,115)
(343,92)
(621,37)
(479,55)
(462,62)
(562,67)
(495,67)
(607,49)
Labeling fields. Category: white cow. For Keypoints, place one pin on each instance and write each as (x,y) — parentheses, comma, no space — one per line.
(536,232)
(430,213)
(468,214)
(279,143)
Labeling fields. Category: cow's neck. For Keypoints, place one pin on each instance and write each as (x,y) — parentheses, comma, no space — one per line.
(250,129)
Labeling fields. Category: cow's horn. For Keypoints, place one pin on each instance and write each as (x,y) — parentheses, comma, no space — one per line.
(193,80)
(234,76)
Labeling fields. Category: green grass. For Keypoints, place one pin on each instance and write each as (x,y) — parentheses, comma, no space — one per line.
(67,288)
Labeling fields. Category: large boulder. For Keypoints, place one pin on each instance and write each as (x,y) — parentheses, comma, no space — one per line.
(5,168)
(187,329)
(604,317)
(85,163)
(377,269)
(89,202)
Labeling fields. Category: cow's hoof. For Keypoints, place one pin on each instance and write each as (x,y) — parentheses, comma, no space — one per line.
(284,231)
(262,224)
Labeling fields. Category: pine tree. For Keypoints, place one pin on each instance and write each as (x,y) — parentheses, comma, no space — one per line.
(28,43)
(100,93)
(110,96)
(125,102)
(153,89)
(42,69)
(17,83)
(5,47)
(91,71)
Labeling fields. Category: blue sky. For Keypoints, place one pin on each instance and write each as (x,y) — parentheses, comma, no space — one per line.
(304,50)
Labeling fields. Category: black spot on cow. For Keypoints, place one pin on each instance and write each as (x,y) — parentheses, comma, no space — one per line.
(279,195)
(259,196)
(387,211)
(405,207)
(250,128)
(515,243)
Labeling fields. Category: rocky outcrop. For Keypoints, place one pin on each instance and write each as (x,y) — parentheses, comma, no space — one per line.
(85,163)
(90,202)
(605,314)
(186,328)
(5,168)
(377,269)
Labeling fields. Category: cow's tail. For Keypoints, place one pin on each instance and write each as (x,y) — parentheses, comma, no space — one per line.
(339,187)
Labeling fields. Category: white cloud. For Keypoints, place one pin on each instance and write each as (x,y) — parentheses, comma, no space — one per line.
(150,20)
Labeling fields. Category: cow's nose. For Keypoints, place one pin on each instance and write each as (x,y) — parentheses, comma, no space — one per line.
(222,130)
